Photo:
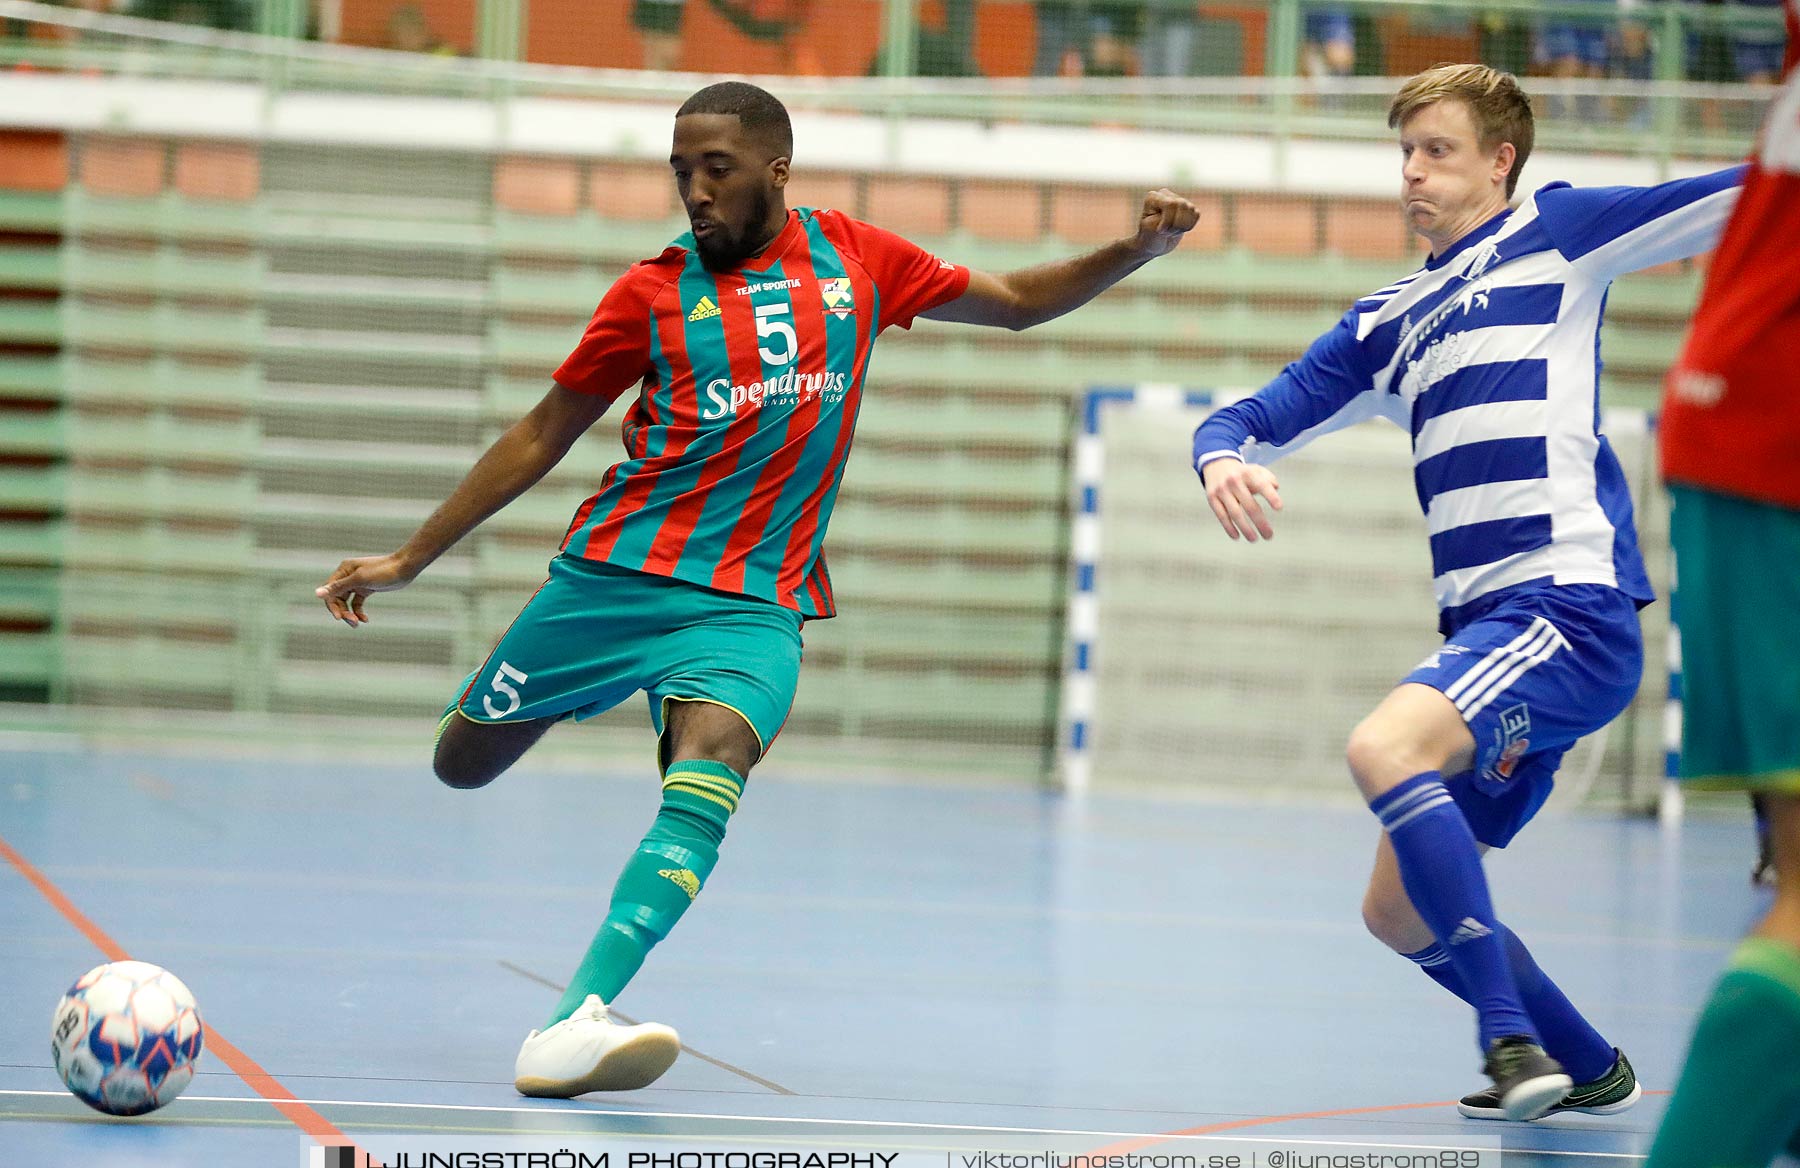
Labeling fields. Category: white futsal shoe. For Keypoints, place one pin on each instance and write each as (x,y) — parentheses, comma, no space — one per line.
(588,1051)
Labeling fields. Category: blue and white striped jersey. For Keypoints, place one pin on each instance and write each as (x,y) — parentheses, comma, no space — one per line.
(1490,356)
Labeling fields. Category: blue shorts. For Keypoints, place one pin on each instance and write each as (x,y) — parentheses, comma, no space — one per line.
(1586,43)
(1531,677)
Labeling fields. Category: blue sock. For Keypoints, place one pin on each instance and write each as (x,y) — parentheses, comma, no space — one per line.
(1568,1037)
(1441,871)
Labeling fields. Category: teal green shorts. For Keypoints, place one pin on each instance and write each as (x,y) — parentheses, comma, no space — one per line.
(1738,604)
(595,634)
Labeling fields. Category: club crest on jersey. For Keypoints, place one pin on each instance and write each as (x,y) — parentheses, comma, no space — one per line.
(1514,741)
(705,310)
(839,300)
(1476,296)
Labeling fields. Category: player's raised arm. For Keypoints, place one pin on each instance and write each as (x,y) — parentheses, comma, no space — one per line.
(1608,231)
(516,460)
(1018,300)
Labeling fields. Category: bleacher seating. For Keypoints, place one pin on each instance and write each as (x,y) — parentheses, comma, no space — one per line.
(223,368)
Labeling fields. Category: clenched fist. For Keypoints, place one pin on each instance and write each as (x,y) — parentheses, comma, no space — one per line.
(1165,219)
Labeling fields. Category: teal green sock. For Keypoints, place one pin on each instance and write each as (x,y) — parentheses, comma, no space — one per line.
(1739,1093)
(660,879)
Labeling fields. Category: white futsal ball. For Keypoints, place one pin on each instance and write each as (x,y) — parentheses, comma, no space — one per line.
(125,1037)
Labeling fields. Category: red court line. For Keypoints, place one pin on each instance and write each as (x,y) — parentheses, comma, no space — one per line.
(241,1064)
(1141,1142)
(1125,1146)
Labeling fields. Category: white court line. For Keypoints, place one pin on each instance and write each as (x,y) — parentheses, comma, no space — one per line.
(879,1123)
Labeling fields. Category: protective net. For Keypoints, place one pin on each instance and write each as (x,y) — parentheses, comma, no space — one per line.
(1242,668)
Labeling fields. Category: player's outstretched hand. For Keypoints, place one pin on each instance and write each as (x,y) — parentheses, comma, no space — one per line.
(1166,218)
(355,579)
(1232,487)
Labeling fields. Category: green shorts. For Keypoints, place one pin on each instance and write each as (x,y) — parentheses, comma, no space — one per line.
(1738,603)
(595,634)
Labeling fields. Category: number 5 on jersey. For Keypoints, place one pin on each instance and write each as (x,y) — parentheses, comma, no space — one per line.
(502,683)
(768,327)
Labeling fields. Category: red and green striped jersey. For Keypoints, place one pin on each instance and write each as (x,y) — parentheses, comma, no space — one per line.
(748,387)
(1731,404)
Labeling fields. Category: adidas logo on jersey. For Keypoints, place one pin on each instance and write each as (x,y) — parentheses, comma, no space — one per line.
(1470,930)
(705,310)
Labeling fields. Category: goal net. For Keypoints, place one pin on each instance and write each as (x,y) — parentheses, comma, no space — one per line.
(1202,663)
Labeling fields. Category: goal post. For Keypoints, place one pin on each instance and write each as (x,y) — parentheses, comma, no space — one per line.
(1196,662)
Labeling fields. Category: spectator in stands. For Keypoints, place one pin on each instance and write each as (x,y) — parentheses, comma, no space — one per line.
(1330,48)
(1091,38)
(1112,37)
(409,32)
(1058,52)
(1756,52)
(1633,59)
(658,22)
(1503,41)
(1170,36)
(1709,59)
(939,50)
(1570,50)
(957,38)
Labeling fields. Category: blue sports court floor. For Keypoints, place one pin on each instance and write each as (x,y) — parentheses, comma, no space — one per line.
(895,968)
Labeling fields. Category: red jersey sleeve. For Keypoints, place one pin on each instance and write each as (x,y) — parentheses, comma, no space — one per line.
(909,279)
(613,355)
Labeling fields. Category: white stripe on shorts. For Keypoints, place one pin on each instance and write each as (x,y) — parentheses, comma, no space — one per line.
(1540,649)
(1492,661)
(1498,661)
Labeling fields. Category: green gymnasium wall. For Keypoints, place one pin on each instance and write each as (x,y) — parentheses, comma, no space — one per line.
(225,366)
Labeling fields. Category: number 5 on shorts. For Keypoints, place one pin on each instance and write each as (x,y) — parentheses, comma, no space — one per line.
(501,684)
